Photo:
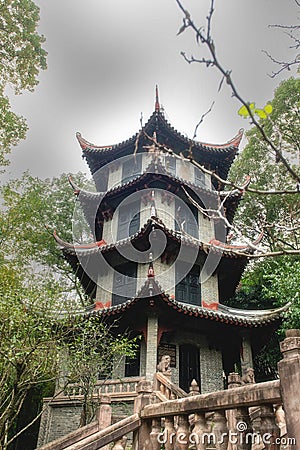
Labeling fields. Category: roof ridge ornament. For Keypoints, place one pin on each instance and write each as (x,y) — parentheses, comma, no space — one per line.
(157,104)
(150,268)
(153,212)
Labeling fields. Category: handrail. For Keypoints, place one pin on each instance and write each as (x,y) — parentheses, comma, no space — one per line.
(251,395)
(108,435)
(93,438)
(71,438)
(172,387)
(120,380)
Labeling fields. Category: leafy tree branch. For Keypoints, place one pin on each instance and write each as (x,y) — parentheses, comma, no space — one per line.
(21,59)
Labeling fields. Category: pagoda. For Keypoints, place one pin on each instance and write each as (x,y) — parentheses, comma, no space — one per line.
(161,260)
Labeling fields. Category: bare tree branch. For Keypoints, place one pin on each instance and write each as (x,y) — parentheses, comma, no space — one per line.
(284,65)
(207,41)
(202,119)
(231,184)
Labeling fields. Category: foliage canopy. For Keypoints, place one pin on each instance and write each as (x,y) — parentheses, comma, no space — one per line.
(22,57)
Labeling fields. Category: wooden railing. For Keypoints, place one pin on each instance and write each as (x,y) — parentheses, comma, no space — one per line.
(220,420)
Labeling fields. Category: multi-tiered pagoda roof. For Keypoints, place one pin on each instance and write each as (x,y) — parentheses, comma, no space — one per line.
(160,140)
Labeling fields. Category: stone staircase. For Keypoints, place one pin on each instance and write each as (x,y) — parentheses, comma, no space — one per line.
(243,417)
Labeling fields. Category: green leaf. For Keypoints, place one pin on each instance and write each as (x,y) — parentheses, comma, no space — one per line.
(243,112)
(261,113)
(268,108)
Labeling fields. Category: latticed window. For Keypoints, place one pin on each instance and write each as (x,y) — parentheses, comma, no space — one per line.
(129,220)
(188,289)
(124,283)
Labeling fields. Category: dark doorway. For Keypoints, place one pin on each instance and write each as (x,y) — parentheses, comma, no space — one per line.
(189,366)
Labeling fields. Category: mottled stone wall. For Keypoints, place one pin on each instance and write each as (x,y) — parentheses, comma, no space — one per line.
(206,228)
(165,276)
(185,170)
(104,288)
(142,272)
(211,370)
(209,289)
(63,417)
(110,229)
(59,419)
(207,181)
(151,355)
(143,358)
(121,409)
(146,159)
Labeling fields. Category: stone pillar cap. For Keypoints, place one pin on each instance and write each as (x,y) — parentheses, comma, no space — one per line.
(105,399)
(290,347)
(234,378)
(292,333)
(144,386)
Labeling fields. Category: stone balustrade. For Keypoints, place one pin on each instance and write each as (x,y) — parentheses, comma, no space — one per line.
(201,420)
(243,417)
(165,389)
(117,388)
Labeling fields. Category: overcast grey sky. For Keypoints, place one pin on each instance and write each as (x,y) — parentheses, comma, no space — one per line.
(106,56)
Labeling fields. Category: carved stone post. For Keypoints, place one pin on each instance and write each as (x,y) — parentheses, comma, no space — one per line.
(244,429)
(234,380)
(269,431)
(155,433)
(120,444)
(169,433)
(200,432)
(141,437)
(220,430)
(104,414)
(246,357)
(280,419)
(194,388)
(289,373)
(183,433)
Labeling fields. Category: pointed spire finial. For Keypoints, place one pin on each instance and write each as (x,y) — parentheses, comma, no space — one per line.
(157,105)
(150,268)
